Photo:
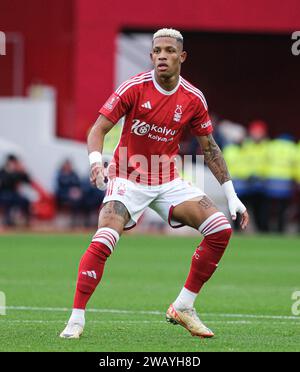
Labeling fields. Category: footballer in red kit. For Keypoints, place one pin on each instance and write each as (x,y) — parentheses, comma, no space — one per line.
(157,106)
(155,120)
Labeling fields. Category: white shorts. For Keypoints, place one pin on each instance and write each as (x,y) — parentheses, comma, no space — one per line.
(162,198)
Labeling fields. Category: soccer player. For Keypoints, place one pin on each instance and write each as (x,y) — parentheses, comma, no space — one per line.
(157,106)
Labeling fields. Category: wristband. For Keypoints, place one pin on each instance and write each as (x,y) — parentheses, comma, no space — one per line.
(229,190)
(95,157)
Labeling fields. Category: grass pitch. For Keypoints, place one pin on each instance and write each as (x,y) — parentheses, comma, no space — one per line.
(247,302)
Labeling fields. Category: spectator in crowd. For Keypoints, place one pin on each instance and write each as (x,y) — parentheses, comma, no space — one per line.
(279,186)
(12,176)
(68,191)
(228,132)
(255,151)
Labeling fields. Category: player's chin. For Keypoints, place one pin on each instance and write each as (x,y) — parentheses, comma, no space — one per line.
(164,74)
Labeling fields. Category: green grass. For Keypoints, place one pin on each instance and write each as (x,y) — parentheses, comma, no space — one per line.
(257,277)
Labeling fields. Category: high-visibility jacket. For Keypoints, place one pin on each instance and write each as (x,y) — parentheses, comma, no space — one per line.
(234,156)
(297,164)
(280,170)
(255,158)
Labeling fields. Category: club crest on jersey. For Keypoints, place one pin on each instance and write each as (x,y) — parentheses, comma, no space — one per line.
(177,113)
(121,189)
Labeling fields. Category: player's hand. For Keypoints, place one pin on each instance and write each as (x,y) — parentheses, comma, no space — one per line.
(236,206)
(97,176)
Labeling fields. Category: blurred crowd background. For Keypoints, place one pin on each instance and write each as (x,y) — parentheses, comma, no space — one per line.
(23,201)
(64,58)
(265,172)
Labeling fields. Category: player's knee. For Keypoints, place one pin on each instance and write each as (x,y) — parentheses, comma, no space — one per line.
(227,234)
(216,230)
(107,237)
(219,240)
(102,251)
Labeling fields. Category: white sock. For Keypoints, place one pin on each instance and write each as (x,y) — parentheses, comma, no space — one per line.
(185,299)
(77,316)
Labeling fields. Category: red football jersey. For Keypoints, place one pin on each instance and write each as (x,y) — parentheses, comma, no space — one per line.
(153,125)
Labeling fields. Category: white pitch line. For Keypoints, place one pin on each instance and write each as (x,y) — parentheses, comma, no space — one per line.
(253,316)
(145,312)
(90,321)
(35,321)
(65,309)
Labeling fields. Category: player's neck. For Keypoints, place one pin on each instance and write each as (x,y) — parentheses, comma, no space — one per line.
(167,83)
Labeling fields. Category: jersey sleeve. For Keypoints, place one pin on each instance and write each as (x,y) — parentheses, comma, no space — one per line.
(200,124)
(117,105)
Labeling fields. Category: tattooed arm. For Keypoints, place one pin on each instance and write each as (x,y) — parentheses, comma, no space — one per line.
(214,159)
(216,163)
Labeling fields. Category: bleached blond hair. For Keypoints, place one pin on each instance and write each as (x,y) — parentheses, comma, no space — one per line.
(168,32)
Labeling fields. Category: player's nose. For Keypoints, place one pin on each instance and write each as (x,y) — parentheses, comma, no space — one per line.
(162,56)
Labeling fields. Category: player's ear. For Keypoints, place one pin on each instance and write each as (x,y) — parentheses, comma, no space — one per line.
(183,56)
(151,56)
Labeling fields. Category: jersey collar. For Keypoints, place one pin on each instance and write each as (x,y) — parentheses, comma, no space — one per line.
(160,89)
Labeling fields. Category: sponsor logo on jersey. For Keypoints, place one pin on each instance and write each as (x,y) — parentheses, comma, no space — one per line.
(141,128)
(178,113)
(147,105)
(111,103)
(205,125)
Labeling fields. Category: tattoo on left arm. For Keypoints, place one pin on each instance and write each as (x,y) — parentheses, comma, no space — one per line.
(214,158)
